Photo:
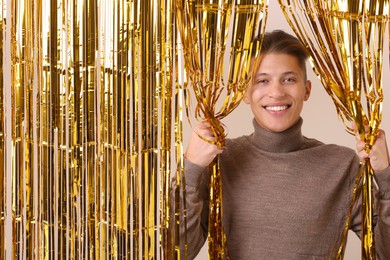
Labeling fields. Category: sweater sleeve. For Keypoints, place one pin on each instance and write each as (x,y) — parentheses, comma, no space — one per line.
(382,228)
(381,215)
(196,198)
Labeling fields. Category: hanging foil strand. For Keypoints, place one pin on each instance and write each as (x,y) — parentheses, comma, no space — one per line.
(2,142)
(148,115)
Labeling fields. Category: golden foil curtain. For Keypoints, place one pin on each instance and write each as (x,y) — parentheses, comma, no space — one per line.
(90,107)
(345,39)
(218,43)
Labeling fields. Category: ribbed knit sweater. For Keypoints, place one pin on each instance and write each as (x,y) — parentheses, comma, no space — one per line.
(285,196)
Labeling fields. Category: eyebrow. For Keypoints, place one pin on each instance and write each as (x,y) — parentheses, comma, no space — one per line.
(290,73)
(261,74)
(283,74)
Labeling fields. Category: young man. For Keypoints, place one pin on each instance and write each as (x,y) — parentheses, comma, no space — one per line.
(285,196)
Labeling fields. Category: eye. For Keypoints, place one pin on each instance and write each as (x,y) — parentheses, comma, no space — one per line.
(290,80)
(261,81)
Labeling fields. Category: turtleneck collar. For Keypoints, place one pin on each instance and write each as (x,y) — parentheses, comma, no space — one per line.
(287,141)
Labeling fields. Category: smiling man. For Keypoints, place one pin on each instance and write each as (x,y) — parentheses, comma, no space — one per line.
(278,91)
(285,196)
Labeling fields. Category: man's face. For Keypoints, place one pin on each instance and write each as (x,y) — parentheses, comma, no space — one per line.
(277,93)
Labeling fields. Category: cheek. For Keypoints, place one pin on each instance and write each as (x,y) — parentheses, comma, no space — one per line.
(299,95)
(299,104)
(256,94)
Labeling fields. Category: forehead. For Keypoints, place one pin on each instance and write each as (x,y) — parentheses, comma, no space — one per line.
(278,63)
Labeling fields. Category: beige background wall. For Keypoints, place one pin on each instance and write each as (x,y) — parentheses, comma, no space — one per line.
(320,118)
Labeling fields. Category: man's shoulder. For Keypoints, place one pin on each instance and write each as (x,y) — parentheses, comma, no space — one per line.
(315,142)
(237,142)
(329,149)
(234,146)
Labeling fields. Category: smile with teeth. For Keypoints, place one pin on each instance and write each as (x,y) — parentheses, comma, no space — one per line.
(277,108)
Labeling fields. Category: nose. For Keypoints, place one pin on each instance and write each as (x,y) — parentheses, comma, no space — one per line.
(276,90)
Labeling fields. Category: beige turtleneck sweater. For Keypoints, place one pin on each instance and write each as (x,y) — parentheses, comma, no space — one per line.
(285,196)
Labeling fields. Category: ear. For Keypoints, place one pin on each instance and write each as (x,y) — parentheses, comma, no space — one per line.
(308,90)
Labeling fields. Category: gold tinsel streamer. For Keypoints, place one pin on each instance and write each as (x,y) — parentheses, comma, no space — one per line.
(218,41)
(2,143)
(90,108)
(345,40)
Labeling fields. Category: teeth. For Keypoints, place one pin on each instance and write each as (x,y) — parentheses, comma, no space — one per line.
(277,108)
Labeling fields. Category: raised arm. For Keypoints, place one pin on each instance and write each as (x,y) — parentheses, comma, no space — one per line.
(379,160)
(200,153)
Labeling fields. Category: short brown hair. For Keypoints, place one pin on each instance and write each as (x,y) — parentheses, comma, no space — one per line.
(281,42)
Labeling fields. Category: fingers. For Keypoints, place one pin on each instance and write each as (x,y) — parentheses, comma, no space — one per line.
(202,148)
(379,149)
(205,132)
(360,146)
(204,127)
(378,154)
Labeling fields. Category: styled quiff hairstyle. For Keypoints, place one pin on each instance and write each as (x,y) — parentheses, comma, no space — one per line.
(281,42)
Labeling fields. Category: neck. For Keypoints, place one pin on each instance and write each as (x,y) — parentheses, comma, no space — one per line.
(278,142)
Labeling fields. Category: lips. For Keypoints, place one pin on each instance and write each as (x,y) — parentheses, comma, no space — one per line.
(277,108)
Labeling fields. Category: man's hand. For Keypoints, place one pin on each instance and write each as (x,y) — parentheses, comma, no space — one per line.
(379,154)
(199,151)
